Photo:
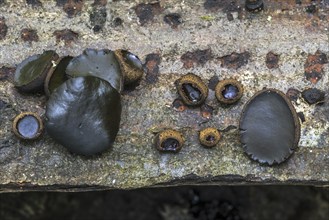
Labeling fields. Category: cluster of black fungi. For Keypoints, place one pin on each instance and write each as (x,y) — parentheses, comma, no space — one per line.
(84,107)
(269,125)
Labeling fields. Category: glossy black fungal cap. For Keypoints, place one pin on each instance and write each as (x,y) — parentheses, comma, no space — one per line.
(31,73)
(169,141)
(228,91)
(209,137)
(83,115)
(269,127)
(27,126)
(131,66)
(57,75)
(99,63)
(192,89)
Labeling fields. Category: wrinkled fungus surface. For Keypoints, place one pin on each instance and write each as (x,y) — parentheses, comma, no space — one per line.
(269,127)
(99,63)
(83,115)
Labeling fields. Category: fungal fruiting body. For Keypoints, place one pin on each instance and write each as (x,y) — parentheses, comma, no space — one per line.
(27,126)
(57,75)
(98,63)
(84,108)
(131,66)
(192,89)
(31,73)
(169,141)
(269,127)
(228,91)
(209,137)
(83,115)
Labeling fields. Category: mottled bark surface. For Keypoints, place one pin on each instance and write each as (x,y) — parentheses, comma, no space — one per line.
(228,33)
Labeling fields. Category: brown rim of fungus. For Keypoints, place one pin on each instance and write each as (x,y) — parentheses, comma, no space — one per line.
(21,116)
(131,73)
(169,140)
(52,70)
(209,137)
(224,85)
(192,89)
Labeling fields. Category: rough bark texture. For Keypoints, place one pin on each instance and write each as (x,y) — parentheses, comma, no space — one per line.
(291,31)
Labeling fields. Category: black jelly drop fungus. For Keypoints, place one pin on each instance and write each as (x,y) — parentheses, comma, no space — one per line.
(192,89)
(131,66)
(169,140)
(57,75)
(27,126)
(209,137)
(191,92)
(269,127)
(98,63)
(228,91)
(83,115)
(170,144)
(31,73)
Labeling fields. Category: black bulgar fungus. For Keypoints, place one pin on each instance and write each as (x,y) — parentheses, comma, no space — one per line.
(169,141)
(31,73)
(27,126)
(209,137)
(192,89)
(57,75)
(313,96)
(269,127)
(83,115)
(131,66)
(254,5)
(228,91)
(99,63)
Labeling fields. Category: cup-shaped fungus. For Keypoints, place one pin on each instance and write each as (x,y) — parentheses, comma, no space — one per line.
(169,141)
(31,73)
(228,91)
(269,127)
(209,137)
(192,89)
(27,126)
